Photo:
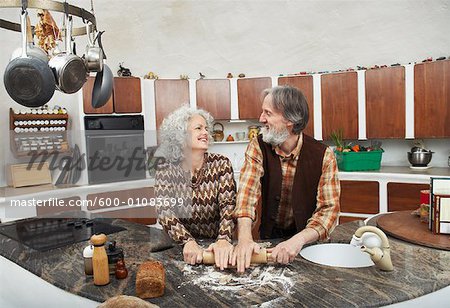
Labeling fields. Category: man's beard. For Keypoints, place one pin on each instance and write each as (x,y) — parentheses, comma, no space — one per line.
(274,137)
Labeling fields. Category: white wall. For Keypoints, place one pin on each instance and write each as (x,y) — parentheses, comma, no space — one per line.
(258,38)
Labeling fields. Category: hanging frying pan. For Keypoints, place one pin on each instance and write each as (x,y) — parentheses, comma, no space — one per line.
(103,86)
(103,83)
(28,80)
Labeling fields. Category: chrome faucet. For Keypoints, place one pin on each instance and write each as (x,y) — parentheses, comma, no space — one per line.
(380,253)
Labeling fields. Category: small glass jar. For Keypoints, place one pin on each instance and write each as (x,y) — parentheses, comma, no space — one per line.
(87,255)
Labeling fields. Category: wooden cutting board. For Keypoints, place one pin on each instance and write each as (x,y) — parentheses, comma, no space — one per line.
(407,227)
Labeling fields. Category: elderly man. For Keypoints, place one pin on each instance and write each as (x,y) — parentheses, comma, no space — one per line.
(295,177)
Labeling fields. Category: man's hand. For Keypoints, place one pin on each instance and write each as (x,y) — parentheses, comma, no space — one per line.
(192,253)
(285,252)
(242,254)
(223,252)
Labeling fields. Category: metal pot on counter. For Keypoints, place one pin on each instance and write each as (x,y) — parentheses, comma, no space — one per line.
(419,157)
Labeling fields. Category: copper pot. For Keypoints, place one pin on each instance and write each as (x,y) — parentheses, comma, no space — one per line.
(218,133)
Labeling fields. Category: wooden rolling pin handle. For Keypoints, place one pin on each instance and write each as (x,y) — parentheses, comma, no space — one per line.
(261,258)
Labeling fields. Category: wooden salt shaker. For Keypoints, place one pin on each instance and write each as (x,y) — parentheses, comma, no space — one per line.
(100,260)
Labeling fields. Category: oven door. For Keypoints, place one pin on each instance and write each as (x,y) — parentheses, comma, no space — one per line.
(115,157)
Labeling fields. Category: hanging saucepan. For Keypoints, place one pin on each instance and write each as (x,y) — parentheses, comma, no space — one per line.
(28,80)
(69,69)
(32,50)
(93,58)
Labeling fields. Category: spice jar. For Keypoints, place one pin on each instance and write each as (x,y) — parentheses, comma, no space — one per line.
(87,255)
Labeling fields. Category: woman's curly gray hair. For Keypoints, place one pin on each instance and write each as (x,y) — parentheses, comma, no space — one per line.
(173,132)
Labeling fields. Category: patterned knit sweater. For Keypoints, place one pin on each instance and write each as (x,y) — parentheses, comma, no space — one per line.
(208,200)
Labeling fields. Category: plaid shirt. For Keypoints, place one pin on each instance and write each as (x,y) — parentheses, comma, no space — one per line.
(328,192)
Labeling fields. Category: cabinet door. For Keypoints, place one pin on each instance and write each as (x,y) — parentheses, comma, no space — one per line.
(64,205)
(360,197)
(304,84)
(87,99)
(127,95)
(249,96)
(404,196)
(340,104)
(385,102)
(344,219)
(169,95)
(129,199)
(214,96)
(432,99)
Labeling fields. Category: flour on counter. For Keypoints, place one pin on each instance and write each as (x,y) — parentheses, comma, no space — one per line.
(207,277)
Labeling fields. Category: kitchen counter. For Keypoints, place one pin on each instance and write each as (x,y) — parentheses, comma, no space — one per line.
(397,174)
(417,271)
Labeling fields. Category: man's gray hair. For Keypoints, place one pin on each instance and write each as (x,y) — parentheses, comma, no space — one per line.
(174,132)
(291,102)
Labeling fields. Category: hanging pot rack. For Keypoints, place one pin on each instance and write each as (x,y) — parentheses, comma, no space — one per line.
(51,6)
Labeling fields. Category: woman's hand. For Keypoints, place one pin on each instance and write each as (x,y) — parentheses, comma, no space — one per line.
(223,251)
(192,253)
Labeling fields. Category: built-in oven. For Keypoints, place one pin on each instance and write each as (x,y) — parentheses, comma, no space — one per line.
(115,148)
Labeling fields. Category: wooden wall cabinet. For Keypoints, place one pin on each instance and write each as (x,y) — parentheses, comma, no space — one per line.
(404,196)
(249,96)
(340,104)
(87,100)
(304,84)
(432,99)
(360,197)
(169,95)
(125,97)
(214,95)
(385,102)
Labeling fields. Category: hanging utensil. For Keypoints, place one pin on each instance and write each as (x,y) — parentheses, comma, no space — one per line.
(78,164)
(103,84)
(93,57)
(28,80)
(32,50)
(69,69)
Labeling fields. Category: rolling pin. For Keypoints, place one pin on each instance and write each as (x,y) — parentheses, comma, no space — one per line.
(261,258)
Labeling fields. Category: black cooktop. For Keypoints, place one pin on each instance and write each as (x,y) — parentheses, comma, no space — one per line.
(44,234)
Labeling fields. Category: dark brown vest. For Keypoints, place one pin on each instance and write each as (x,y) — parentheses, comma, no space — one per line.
(304,191)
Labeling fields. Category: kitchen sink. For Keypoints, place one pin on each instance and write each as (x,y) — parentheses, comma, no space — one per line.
(337,255)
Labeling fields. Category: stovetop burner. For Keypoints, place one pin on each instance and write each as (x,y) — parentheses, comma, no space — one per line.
(44,234)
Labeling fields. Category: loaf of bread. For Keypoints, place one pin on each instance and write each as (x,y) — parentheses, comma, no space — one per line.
(125,301)
(150,280)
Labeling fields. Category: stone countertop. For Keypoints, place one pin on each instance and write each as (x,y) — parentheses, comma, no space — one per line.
(417,271)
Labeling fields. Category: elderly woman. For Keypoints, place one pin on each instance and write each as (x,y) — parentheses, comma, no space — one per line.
(204,181)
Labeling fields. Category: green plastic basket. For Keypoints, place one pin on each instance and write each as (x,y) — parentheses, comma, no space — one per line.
(359,161)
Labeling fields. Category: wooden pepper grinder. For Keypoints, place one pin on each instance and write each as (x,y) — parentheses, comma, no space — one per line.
(100,260)
(121,270)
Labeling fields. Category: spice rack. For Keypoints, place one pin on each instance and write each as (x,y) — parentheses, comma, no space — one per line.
(37,122)
(34,133)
